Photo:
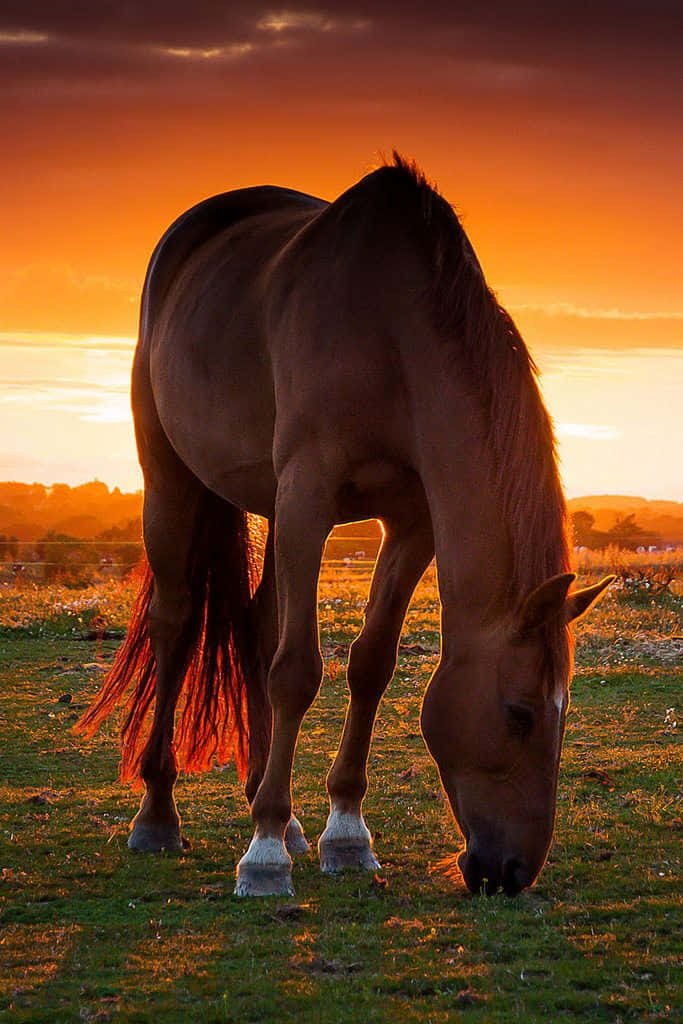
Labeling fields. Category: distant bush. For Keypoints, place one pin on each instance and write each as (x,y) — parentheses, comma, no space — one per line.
(639,573)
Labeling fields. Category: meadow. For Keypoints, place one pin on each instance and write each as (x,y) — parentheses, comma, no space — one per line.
(91,932)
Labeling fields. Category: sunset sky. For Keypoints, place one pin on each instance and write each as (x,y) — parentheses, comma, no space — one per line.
(554,129)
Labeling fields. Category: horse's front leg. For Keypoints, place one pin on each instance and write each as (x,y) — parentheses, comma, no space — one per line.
(404,556)
(302,523)
(263,612)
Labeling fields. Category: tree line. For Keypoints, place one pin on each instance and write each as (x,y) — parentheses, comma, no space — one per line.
(625,533)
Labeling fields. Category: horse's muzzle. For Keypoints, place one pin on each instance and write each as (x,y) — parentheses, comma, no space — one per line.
(490,873)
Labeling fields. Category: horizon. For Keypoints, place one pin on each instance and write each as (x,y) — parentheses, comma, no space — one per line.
(140,491)
(118,121)
(65,414)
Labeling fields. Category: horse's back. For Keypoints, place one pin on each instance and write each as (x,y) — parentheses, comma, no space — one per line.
(203,222)
(202,369)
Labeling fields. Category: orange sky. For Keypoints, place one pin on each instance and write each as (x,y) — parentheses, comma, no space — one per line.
(555,134)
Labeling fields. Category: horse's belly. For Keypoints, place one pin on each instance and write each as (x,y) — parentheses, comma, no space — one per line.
(220,419)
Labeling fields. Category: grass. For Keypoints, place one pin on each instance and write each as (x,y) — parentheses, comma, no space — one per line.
(90,932)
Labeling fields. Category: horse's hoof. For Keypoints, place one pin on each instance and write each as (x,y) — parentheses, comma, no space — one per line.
(346,843)
(148,838)
(265,869)
(295,840)
(336,856)
(264,880)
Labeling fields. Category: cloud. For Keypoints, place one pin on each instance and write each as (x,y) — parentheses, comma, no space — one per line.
(54,340)
(566,326)
(22,38)
(583,313)
(588,431)
(231,52)
(505,43)
(312,21)
(49,56)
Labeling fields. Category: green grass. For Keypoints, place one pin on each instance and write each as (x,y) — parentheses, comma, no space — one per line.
(90,932)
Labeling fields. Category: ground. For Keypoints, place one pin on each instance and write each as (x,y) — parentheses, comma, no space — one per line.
(91,932)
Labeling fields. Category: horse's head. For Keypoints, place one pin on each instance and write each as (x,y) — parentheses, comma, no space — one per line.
(493,719)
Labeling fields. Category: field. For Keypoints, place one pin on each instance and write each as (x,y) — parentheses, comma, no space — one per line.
(90,932)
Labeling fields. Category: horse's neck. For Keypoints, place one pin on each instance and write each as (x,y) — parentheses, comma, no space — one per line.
(472,543)
(472,549)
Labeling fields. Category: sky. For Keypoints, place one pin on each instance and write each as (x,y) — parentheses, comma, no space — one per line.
(553,129)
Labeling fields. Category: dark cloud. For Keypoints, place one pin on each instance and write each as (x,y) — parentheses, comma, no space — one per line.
(51,51)
(204,25)
(82,39)
(207,21)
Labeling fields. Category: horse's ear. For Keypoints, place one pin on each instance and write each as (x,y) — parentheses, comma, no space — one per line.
(579,602)
(544,602)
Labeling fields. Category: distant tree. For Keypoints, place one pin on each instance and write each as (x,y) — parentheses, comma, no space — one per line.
(129,551)
(94,488)
(60,492)
(64,555)
(626,533)
(59,503)
(582,525)
(132,530)
(585,534)
(9,547)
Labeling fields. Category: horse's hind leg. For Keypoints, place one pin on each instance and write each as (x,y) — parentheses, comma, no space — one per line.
(169,518)
(404,556)
(263,613)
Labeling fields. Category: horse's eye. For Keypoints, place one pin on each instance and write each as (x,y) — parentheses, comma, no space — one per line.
(520,719)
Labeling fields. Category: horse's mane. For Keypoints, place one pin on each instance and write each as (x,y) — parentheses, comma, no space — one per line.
(485,338)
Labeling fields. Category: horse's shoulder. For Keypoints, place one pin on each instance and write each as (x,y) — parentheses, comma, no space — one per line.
(387,187)
(390,204)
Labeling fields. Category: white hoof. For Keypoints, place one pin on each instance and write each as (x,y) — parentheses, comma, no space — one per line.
(295,840)
(265,869)
(346,843)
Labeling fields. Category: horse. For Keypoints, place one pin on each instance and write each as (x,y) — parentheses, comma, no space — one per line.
(315,363)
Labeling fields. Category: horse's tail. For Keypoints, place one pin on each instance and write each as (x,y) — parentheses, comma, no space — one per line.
(212,721)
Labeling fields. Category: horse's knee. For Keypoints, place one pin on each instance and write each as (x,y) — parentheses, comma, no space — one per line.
(169,616)
(251,785)
(158,766)
(294,679)
(371,666)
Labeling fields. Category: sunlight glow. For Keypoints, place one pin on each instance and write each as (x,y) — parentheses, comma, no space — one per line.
(65,413)
(617,419)
(114,408)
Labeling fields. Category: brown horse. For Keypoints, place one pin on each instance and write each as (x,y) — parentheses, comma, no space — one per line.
(317,363)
